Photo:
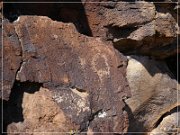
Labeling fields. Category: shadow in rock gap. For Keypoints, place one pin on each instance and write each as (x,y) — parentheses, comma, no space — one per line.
(4,102)
(173,65)
(118,32)
(65,12)
(174,110)
(12,109)
(134,126)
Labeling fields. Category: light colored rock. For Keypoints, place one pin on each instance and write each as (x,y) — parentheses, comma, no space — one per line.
(42,114)
(169,125)
(166,25)
(153,91)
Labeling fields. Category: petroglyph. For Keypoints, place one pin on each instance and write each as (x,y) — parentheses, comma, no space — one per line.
(101,72)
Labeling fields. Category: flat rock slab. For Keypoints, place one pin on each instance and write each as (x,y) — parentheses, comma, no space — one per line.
(78,69)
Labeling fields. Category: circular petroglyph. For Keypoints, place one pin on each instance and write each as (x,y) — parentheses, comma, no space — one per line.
(100,65)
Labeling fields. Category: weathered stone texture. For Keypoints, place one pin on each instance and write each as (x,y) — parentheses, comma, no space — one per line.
(153,91)
(136,28)
(11,57)
(170,123)
(42,114)
(72,65)
(1,44)
(72,55)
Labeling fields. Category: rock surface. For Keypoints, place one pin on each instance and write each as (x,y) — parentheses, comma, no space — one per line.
(1,44)
(169,123)
(81,71)
(136,28)
(11,57)
(42,114)
(62,71)
(153,91)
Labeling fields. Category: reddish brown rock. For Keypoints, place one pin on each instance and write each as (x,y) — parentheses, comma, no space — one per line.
(41,114)
(86,76)
(157,38)
(116,22)
(1,7)
(83,79)
(11,57)
(1,44)
(140,27)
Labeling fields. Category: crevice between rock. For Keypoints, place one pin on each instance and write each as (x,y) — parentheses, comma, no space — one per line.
(173,64)
(176,109)
(12,109)
(65,12)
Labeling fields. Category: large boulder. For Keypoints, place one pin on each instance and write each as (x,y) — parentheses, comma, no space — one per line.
(154,92)
(85,75)
(136,28)
(40,114)
(81,81)
(132,27)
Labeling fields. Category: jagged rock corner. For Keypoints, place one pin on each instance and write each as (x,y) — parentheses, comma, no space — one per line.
(90,67)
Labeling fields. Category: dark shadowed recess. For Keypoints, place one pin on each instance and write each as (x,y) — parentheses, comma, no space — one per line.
(119,32)
(133,124)
(167,8)
(173,64)
(12,109)
(65,12)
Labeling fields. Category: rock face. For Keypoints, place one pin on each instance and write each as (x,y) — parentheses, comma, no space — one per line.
(90,67)
(137,27)
(133,28)
(1,44)
(168,124)
(58,59)
(118,15)
(11,57)
(42,114)
(153,91)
